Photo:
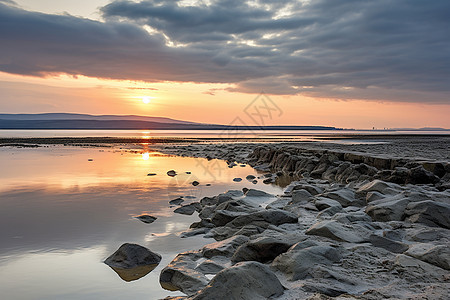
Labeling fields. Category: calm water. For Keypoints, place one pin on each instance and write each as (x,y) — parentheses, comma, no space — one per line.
(297,134)
(61,215)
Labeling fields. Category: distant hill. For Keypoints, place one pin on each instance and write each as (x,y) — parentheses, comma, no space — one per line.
(82,121)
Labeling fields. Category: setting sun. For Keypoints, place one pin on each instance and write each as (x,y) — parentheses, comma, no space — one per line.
(146,99)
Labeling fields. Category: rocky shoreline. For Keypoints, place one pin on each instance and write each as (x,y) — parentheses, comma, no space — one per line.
(355,226)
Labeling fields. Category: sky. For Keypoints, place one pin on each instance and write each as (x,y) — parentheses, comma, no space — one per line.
(349,64)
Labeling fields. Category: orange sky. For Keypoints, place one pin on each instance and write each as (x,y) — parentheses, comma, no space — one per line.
(193,102)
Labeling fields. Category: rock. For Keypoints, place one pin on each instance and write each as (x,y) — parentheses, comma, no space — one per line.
(345,197)
(419,269)
(151,174)
(181,275)
(429,212)
(384,211)
(388,244)
(312,189)
(378,186)
(132,261)
(146,218)
(301,196)
(176,201)
(339,232)
(438,255)
(330,211)
(132,255)
(188,209)
(296,264)
(224,248)
(208,201)
(193,232)
(237,179)
(268,181)
(323,203)
(212,266)
(223,217)
(264,249)
(250,177)
(244,281)
(264,218)
(172,173)
(195,183)
(419,175)
(257,193)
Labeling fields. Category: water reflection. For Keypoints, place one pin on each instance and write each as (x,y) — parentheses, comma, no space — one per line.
(134,273)
(62,215)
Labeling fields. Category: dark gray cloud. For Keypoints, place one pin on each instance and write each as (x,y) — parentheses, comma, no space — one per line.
(395,50)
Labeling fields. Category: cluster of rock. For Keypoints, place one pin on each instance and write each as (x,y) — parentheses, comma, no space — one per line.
(343,231)
(345,167)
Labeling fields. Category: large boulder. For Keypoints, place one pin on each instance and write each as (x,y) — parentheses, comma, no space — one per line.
(296,264)
(340,232)
(419,175)
(132,261)
(380,186)
(181,275)
(429,212)
(132,255)
(222,217)
(244,281)
(324,203)
(346,197)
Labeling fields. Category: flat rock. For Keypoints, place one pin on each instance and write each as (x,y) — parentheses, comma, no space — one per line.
(341,232)
(301,196)
(388,244)
(429,212)
(188,209)
(323,203)
(384,211)
(438,255)
(264,218)
(296,264)
(257,193)
(176,201)
(224,248)
(132,255)
(244,281)
(146,218)
(346,197)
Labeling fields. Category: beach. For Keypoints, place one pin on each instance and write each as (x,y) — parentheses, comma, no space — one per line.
(358,217)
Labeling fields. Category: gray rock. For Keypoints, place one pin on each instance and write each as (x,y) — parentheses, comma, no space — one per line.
(193,232)
(264,218)
(224,248)
(223,217)
(188,209)
(237,179)
(181,275)
(388,244)
(146,218)
(301,196)
(208,201)
(340,232)
(264,249)
(176,201)
(324,203)
(438,255)
(393,210)
(418,269)
(296,264)
(346,197)
(244,281)
(330,211)
(132,255)
(172,173)
(211,266)
(250,177)
(378,186)
(429,212)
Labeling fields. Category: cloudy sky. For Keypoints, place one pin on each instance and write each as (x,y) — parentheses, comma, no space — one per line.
(352,63)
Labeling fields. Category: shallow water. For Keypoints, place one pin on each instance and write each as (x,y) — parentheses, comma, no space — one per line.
(61,215)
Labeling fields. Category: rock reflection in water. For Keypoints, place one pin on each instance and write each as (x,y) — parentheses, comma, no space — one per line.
(134,273)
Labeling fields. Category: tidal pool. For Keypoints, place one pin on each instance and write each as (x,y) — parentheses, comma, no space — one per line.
(65,209)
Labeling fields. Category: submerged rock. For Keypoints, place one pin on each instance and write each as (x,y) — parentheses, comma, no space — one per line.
(176,201)
(146,218)
(188,209)
(172,173)
(237,179)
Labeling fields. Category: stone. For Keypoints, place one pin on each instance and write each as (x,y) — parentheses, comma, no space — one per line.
(388,244)
(181,275)
(188,209)
(296,264)
(224,248)
(429,212)
(146,218)
(250,177)
(151,174)
(301,196)
(132,255)
(211,266)
(438,255)
(237,179)
(132,262)
(419,175)
(264,249)
(384,211)
(264,218)
(346,197)
(223,217)
(172,173)
(323,203)
(330,211)
(243,281)
(340,232)
(195,183)
(176,201)
(378,186)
